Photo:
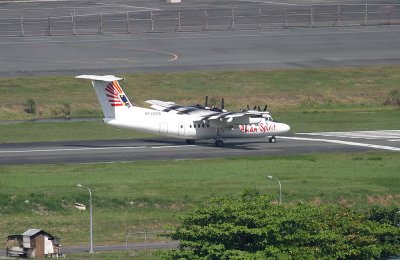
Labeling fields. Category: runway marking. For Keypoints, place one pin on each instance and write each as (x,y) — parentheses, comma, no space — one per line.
(370,135)
(71,149)
(171,146)
(92,148)
(270,2)
(130,6)
(382,147)
(173,56)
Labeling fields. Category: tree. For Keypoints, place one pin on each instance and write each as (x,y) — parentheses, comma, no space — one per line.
(250,225)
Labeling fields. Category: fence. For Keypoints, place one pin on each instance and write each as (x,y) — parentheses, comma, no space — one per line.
(147,237)
(203,20)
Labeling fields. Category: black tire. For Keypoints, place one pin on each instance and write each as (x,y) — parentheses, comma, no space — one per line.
(219,143)
(272,139)
(190,141)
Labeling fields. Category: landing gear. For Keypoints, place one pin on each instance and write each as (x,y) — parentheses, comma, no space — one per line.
(272,139)
(219,143)
(190,141)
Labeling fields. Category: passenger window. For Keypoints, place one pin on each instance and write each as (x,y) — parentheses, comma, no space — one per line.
(202,125)
(198,125)
(194,126)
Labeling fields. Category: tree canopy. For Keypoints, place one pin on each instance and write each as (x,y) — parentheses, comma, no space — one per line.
(252,226)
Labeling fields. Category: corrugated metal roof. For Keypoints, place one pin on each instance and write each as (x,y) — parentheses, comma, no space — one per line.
(31,232)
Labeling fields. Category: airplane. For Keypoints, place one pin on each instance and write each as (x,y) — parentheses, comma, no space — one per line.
(192,123)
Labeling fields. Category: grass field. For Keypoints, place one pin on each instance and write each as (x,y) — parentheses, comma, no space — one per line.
(152,194)
(331,89)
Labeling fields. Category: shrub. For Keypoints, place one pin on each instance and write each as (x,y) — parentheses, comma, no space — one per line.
(31,106)
(393,98)
(251,226)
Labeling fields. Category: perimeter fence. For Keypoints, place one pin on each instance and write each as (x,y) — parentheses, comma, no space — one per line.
(252,18)
(147,237)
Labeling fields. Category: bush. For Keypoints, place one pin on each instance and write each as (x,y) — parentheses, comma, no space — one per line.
(393,98)
(31,106)
(251,226)
(61,111)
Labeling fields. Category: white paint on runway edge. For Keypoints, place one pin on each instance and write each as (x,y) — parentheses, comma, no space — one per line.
(93,148)
(382,147)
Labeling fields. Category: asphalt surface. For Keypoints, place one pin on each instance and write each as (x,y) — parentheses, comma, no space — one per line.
(165,149)
(116,52)
(293,48)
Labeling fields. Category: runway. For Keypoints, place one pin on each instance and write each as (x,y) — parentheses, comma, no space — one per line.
(114,151)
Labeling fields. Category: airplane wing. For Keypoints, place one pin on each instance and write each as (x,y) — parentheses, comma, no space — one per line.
(171,107)
(216,117)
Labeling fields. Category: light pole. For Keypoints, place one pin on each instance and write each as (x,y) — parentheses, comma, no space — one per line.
(91,217)
(280,188)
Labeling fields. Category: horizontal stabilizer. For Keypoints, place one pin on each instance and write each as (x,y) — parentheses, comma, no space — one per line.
(106,78)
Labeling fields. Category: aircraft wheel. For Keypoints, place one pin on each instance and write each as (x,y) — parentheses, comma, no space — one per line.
(272,139)
(190,141)
(219,143)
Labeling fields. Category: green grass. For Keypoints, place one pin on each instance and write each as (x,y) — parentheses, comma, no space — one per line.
(283,90)
(139,255)
(152,194)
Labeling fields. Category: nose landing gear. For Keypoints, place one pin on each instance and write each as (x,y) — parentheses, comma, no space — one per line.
(272,139)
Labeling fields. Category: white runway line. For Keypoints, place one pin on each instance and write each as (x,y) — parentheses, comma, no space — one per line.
(71,149)
(382,147)
(129,6)
(91,148)
(372,135)
(171,146)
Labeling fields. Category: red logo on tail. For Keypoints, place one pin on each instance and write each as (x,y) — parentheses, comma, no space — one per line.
(116,95)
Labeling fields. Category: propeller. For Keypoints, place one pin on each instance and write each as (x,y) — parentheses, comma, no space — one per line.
(248,107)
(222,103)
(206,103)
(265,108)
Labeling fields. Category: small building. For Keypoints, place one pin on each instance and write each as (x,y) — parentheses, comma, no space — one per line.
(33,243)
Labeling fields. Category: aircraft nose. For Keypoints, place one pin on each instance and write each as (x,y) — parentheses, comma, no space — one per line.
(284,128)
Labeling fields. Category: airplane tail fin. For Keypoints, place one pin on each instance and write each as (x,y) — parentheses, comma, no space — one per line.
(112,98)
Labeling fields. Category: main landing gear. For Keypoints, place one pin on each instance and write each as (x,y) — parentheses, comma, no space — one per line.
(219,143)
(272,139)
(190,141)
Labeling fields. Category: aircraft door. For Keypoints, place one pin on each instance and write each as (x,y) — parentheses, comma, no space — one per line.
(163,128)
(181,129)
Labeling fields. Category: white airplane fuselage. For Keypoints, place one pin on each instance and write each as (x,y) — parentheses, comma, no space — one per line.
(186,126)
(185,122)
